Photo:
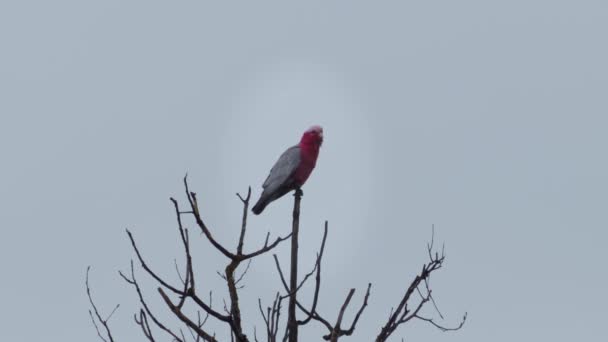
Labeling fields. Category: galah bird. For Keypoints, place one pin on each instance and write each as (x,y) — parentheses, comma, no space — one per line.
(292,169)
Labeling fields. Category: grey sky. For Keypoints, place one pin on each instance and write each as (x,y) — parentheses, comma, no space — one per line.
(486,119)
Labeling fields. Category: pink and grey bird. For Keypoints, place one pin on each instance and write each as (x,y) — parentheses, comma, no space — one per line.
(292,169)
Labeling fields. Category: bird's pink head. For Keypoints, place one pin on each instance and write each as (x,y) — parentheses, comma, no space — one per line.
(313,136)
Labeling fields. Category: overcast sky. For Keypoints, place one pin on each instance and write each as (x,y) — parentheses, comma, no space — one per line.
(487,119)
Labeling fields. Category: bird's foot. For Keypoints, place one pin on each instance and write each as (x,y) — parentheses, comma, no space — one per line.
(298,192)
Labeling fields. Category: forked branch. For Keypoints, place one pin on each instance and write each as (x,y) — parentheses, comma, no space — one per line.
(403,313)
(106,336)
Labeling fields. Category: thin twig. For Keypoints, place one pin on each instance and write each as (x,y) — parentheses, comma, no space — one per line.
(104,322)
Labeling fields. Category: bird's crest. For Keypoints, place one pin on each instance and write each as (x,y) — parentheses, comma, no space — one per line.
(315,129)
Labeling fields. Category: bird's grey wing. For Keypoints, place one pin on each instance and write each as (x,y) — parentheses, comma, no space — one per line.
(283,169)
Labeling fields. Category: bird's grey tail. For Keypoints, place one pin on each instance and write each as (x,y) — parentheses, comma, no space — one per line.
(260,205)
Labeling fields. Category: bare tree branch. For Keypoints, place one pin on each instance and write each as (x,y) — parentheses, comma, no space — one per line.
(185,319)
(144,305)
(145,266)
(292,321)
(239,249)
(199,221)
(102,321)
(358,315)
(402,314)
(442,328)
(142,321)
(317,278)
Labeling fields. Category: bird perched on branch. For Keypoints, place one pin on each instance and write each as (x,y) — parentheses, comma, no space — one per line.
(292,169)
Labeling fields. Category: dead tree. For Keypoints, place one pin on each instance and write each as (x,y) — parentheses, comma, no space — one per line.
(175,297)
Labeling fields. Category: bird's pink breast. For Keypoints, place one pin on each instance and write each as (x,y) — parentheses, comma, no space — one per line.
(308,160)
